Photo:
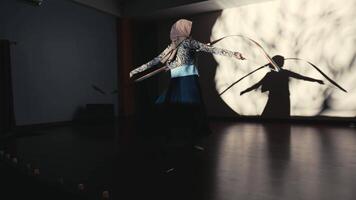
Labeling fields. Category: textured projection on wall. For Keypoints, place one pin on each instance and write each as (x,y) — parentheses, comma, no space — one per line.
(320,31)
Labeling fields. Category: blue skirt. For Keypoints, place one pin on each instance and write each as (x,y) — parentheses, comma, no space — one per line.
(182,90)
(181,109)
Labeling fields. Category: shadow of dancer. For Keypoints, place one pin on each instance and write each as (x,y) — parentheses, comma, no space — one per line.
(277,84)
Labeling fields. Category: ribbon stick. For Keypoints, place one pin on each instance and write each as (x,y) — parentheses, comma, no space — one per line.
(164,68)
(321,72)
(276,67)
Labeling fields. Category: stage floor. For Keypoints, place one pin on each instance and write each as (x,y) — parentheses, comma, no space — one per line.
(248,161)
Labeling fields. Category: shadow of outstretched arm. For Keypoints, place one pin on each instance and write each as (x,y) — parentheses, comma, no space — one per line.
(253,87)
(305,78)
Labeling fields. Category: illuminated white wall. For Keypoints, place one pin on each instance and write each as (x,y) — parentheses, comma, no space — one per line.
(321,31)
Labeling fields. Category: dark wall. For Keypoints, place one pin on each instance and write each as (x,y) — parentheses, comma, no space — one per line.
(63,48)
(144,50)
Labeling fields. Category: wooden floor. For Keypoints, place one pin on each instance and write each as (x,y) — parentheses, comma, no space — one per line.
(247,161)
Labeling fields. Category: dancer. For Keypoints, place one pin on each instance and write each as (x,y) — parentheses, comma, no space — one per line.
(182,104)
(277,83)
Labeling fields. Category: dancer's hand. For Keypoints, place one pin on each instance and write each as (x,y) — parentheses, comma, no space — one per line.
(320,82)
(239,56)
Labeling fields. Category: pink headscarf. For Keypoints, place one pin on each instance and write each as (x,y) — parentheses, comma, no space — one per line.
(179,32)
(181,29)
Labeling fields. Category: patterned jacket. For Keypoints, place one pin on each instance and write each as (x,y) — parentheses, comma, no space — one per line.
(185,55)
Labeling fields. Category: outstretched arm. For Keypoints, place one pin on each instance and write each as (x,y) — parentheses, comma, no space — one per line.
(198,46)
(305,78)
(152,62)
(253,87)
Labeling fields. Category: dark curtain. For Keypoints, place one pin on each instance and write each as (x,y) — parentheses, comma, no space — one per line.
(6,100)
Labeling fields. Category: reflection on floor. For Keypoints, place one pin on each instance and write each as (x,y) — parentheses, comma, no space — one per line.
(239,161)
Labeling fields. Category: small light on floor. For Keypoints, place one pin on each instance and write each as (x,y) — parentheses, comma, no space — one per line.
(80,187)
(36,172)
(106,194)
(15,160)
